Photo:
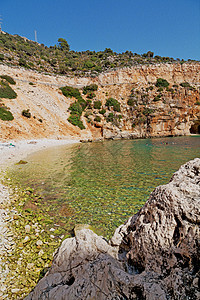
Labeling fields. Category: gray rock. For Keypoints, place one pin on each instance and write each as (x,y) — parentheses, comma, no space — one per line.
(154,255)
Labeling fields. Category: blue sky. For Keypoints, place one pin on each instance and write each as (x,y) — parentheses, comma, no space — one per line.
(168,28)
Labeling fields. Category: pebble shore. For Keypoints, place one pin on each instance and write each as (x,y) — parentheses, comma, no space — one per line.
(6,238)
(11,153)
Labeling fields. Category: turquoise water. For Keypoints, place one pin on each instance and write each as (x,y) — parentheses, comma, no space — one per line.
(103,183)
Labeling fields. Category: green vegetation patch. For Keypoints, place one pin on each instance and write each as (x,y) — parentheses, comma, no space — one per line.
(162,82)
(91,95)
(75,108)
(97,119)
(97,104)
(148,111)
(6,91)
(8,79)
(110,117)
(60,59)
(112,102)
(69,91)
(5,114)
(90,88)
(185,84)
(157,98)
(74,119)
(102,111)
(1,57)
(132,101)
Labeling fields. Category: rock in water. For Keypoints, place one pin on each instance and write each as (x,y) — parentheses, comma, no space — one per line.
(154,255)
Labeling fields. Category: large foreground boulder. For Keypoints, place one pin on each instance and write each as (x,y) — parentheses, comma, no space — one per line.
(154,255)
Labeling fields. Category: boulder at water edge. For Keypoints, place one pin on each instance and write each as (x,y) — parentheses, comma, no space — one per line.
(154,255)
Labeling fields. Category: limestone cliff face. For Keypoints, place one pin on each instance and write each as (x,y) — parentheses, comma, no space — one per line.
(153,112)
(153,256)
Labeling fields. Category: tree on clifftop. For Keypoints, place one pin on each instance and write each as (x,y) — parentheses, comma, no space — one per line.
(63,44)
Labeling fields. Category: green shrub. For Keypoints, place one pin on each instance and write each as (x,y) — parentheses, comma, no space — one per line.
(97,104)
(69,91)
(90,88)
(157,98)
(114,103)
(97,119)
(131,101)
(147,111)
(22,62)
(89,104)
(160,89)
(31,83)
(75,120)
(8,79)
(88,113)
(102,111)
(63,44)
(5,114)
(83,103)
(197,103)
(76,108)
(26,113)
(110,117)
(1,57)
(162,82)
(89,64)
(90,95)
(185,84)
(6,91)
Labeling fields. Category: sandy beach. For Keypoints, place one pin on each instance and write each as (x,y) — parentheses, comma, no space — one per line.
(10,153)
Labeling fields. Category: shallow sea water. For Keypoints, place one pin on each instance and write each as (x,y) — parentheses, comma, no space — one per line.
(104,183)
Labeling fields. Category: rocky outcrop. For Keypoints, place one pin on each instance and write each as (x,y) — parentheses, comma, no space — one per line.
(154,255)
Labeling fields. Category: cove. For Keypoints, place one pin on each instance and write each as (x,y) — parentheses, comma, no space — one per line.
(102,183)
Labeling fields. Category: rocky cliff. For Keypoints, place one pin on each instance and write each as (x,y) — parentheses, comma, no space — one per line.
(154,255)
(146,110)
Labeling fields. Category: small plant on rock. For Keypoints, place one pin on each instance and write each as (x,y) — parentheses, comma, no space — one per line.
(26,113)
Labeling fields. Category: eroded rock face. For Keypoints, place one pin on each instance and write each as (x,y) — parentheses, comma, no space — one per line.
(154,255)
(154,112)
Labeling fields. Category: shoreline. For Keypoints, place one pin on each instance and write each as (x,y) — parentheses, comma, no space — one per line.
(12,152)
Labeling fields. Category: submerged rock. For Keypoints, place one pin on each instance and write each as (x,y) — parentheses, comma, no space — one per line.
(154,255)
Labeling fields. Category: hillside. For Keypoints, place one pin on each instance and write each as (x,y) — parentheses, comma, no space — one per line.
(125,103)
(60,59)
